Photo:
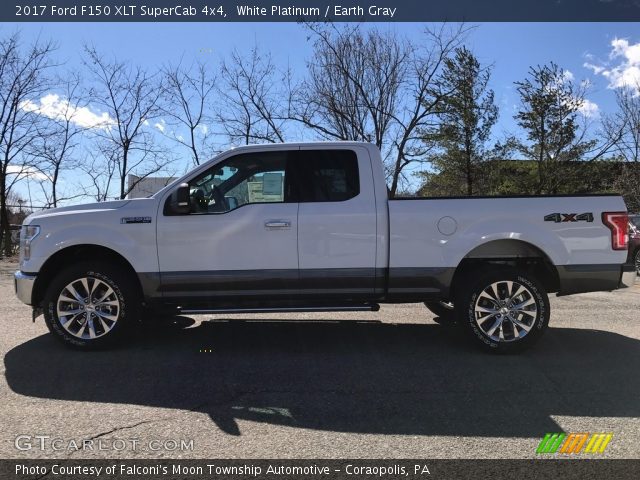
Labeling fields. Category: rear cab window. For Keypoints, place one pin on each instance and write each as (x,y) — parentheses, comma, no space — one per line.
(327,175)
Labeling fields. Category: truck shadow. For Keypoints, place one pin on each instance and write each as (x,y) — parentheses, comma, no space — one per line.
(363,377)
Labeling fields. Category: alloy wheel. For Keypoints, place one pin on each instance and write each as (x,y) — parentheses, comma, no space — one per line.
(505,311)
(88,308)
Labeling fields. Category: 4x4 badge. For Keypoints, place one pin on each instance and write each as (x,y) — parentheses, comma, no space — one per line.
(569,217)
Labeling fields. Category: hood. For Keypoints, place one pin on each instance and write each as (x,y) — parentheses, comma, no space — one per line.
(85,208)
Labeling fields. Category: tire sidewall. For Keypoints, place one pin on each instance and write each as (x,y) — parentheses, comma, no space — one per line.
(106,273)
(473,289)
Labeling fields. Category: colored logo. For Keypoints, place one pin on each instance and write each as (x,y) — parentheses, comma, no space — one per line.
(572,443)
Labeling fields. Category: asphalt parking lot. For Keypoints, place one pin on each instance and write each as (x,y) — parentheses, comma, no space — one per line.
(391,384)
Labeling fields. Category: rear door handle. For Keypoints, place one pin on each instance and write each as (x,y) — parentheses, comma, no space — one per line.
(277,224)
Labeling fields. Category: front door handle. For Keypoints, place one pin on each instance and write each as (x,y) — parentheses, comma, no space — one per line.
(277,224)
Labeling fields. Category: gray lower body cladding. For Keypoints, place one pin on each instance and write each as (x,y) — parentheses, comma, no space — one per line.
(349,284)
(591,278)
(341,285)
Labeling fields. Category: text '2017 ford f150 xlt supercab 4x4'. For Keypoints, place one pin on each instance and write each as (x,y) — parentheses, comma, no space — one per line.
(310,226)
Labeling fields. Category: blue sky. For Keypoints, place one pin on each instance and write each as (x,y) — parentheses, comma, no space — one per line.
(510,47)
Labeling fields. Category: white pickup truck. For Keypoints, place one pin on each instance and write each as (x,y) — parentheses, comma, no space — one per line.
(310,227)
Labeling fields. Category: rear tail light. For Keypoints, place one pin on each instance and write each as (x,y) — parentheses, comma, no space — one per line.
(618,223)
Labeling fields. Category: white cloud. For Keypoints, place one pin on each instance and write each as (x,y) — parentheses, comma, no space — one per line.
(54,107)
(623,67)
(204,129)
(589,109)
(596,69)
(567,76)
(25,171)
(621,48)
(160,125)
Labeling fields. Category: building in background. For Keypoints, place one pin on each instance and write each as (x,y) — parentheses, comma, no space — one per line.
(146,186)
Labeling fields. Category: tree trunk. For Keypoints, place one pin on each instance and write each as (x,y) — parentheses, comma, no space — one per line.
(5,228)
(469,162)
(397,170)
(123,176)
(54,194)
(394,183)
(196,159)
(541,157)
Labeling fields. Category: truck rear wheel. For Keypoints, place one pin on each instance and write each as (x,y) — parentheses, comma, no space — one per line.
(89,305)
(503,310)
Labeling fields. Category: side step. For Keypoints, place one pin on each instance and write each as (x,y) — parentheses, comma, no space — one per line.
(372,307)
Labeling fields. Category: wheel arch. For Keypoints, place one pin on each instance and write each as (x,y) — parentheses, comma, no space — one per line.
(515,253)
(75,254)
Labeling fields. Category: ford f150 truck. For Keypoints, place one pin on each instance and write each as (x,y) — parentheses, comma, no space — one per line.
(310,227)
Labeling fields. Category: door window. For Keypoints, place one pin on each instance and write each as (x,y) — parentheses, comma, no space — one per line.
(243,179)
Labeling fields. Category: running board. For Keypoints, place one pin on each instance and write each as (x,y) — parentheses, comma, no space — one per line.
(374,307)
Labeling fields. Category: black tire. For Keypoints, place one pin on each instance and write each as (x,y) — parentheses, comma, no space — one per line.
(636,260)
(443,311)
(512,315)
(120,309)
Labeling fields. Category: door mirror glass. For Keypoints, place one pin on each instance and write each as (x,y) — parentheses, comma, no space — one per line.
(179,201)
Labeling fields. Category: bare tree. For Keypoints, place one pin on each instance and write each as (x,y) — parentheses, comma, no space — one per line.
(622,131)
(130,96)
(23,77)
(186,104)
(375,86)
(252,98)
(100,172)
(353,83)
(424,94)
(58,139)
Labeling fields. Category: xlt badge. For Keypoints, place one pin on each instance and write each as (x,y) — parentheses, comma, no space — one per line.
(135,220)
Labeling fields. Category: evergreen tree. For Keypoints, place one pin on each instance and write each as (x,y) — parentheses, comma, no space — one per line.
(550,104)
(467,117)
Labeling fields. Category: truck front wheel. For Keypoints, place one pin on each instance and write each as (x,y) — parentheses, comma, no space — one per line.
(89,305)
(443,311)
(504,310)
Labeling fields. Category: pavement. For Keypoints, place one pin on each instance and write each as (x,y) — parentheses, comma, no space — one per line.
(387,384)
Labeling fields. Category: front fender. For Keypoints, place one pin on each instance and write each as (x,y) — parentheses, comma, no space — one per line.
(136,242)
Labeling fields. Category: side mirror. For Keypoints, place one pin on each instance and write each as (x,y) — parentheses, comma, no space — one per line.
(179,202)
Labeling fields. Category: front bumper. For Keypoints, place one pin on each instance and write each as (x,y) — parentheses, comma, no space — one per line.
(628,275)
(23,283)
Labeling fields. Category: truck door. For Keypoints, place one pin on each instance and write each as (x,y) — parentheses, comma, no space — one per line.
(240,238)
(336,223)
